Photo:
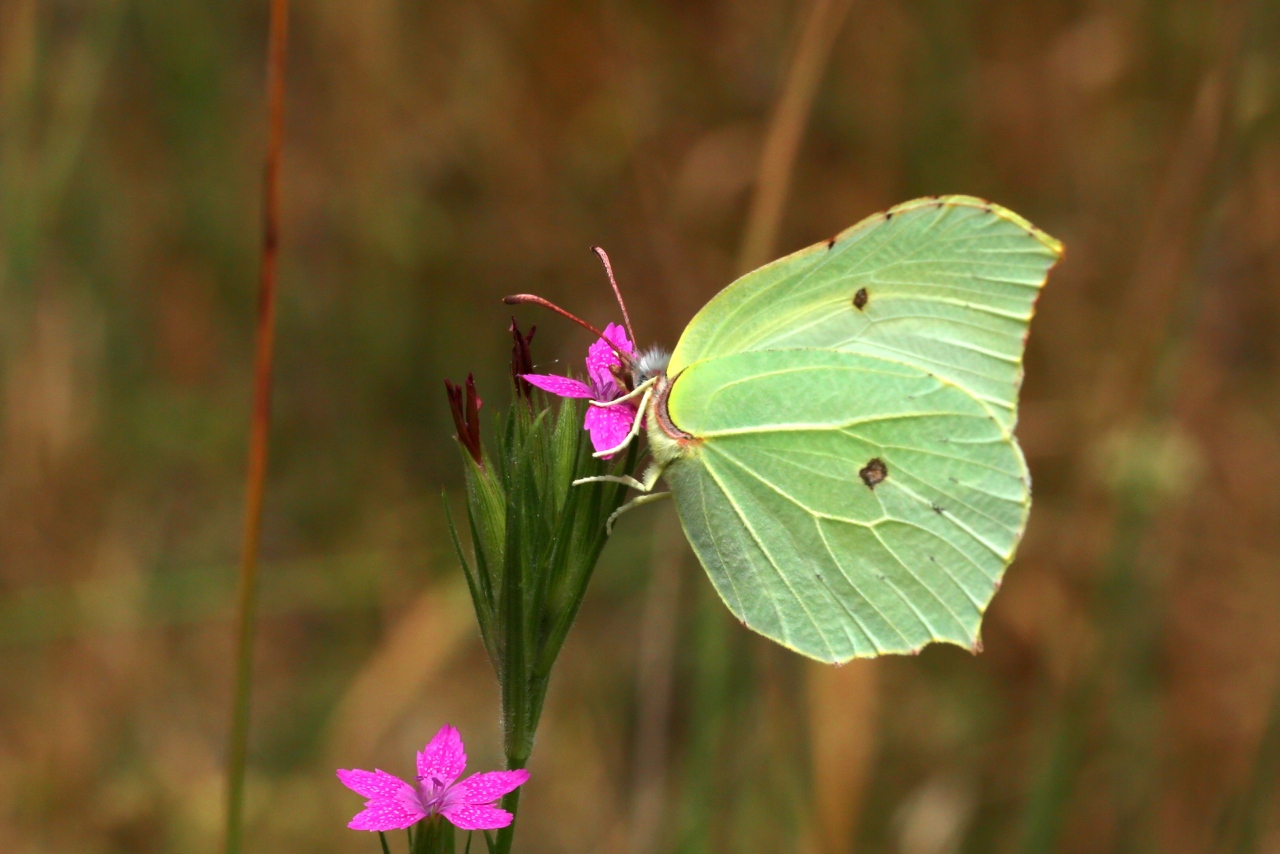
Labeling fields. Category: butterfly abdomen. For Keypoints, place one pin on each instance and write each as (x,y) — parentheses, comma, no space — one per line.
(667,442)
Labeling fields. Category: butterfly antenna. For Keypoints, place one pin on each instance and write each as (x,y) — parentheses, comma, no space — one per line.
(608,268)
(521,299)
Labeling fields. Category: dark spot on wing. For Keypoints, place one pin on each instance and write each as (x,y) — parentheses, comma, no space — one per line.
(888,215)
(873,472)
(831,241)
(860,299)
(937,509)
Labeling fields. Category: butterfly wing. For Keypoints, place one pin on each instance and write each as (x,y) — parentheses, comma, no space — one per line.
(945,284)
(853,487)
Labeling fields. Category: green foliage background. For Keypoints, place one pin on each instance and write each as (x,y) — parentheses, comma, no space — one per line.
(441,155)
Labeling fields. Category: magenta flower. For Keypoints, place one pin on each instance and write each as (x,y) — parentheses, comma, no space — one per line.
(608,425)
(394,804)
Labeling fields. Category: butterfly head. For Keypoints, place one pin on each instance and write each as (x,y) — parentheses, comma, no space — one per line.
(648,365)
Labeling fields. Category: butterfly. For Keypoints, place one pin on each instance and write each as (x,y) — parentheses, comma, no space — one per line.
(836,428)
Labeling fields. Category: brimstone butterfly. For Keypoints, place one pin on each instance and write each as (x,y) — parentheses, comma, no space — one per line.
(836,428)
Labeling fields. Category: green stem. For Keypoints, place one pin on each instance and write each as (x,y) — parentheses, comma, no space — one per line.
(510,803)
(515,679)
(435,836)
(551,537)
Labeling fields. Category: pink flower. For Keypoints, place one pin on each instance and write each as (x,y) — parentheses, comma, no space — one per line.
(608,425)
(394,804)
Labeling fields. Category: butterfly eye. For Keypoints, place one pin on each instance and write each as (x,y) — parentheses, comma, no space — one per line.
(860,299)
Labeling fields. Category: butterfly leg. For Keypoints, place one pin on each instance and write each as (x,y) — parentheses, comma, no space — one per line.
(625,480)
(631,395)
(635,427)
(650,480)
(648,498)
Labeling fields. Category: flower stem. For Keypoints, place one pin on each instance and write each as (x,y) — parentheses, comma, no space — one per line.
(536,539)
(247,600)
(510,803)
(434,836)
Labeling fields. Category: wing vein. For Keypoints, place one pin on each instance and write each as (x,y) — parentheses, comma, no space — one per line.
(777,569)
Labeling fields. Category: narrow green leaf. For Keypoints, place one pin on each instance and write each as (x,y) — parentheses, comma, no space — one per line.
(486,503)
(511,613)
(482,603)
(567,434)
(587,541)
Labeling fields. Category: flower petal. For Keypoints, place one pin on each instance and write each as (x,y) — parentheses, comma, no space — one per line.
(601,357)
(618,335)
(561,386)
(386,815)
(392,803)
(475,817)
(443,756)
(487,787)
(375,785)
(609,425)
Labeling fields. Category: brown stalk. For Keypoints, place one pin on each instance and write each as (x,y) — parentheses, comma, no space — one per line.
(1178,216)
(247,598)
(816,39)
(840,763)
(786,129)
(655,685)
(1152,324)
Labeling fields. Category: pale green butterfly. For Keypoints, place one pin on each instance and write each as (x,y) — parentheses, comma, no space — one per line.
(836,428)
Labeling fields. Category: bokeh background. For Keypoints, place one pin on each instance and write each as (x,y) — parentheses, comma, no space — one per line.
(441,155)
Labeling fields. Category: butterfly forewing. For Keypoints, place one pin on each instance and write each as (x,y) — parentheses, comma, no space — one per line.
(947,285)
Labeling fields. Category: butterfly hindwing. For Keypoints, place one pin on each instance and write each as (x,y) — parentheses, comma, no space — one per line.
(839,524)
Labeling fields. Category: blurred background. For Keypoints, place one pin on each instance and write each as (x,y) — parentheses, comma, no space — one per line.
(441,155)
